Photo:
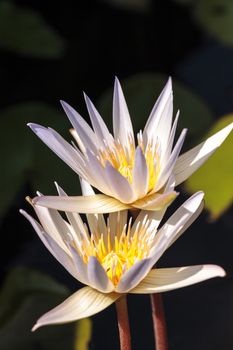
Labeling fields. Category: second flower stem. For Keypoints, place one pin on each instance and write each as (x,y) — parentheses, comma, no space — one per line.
(123,323)
(159,323)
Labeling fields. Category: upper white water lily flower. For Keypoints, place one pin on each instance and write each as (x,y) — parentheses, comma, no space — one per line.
(128,175)
(115,257)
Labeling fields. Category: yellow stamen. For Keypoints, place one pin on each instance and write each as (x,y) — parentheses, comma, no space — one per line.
(122,159)
(118,256)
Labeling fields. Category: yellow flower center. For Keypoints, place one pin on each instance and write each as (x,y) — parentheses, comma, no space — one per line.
(123,159)
(118,253)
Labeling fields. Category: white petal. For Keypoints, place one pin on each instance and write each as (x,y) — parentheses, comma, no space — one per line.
(154,216)
(163,280)
(176,225)
(97,276)
(96,222)
(122,126)
(84,303)
(80,266)
(84,131)
(133,276)
(119,185)
(86,188)
(97,174)
(54,225)
(98,124)
(167,168)
(164,127)
(98,203)
(59,146)
(160,118)
(190,161)
(59,254)
(140,174)
(78,228)
(156,201)
(171,138)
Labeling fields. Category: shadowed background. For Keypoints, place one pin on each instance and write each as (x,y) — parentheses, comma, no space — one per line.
(56,50)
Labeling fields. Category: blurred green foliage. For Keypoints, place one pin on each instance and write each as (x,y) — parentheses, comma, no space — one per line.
(215,177)
(25,296)
(141,92)
(214,16)
(25,32)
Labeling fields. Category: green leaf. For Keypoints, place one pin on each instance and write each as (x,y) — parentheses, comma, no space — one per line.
(83,331)
(25,158)
(25,296)
(215,177)
(25,32)
(21,282)
(216,17)
(141,92)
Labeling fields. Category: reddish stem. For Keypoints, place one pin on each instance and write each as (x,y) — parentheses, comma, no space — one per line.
(123,323)
(159,323)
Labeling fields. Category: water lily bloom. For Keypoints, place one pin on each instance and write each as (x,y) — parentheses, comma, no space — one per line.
(128,176)
(115,257)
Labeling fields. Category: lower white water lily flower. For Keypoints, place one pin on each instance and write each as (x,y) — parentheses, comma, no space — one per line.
(128,176)
(115,257)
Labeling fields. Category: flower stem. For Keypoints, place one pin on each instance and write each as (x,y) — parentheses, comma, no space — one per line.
(159,323)
(123,323)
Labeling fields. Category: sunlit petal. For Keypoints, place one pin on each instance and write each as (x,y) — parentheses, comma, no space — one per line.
(177,224)
(163,280)
(59,146)
(122,125)
(168,167)
(84,131)
(133,276)
(98,124)
(84,303)
(97,276)
(140,174)
(156,201)
(157,116)
(59,253)
(191,160)
(119,185)
(98,203)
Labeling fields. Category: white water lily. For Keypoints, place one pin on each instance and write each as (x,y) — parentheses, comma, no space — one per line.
(128,176)
(115,257)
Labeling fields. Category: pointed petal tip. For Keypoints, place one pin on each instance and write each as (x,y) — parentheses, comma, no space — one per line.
(34,126)
(29,200)
(116,79)
(35,327)
(117,84)
(86,96)
(65,105)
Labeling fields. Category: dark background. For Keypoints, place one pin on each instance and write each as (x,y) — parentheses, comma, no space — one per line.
(89,42)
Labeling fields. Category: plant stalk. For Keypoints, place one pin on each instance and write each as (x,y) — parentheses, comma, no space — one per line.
(123,323)
(159,323)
